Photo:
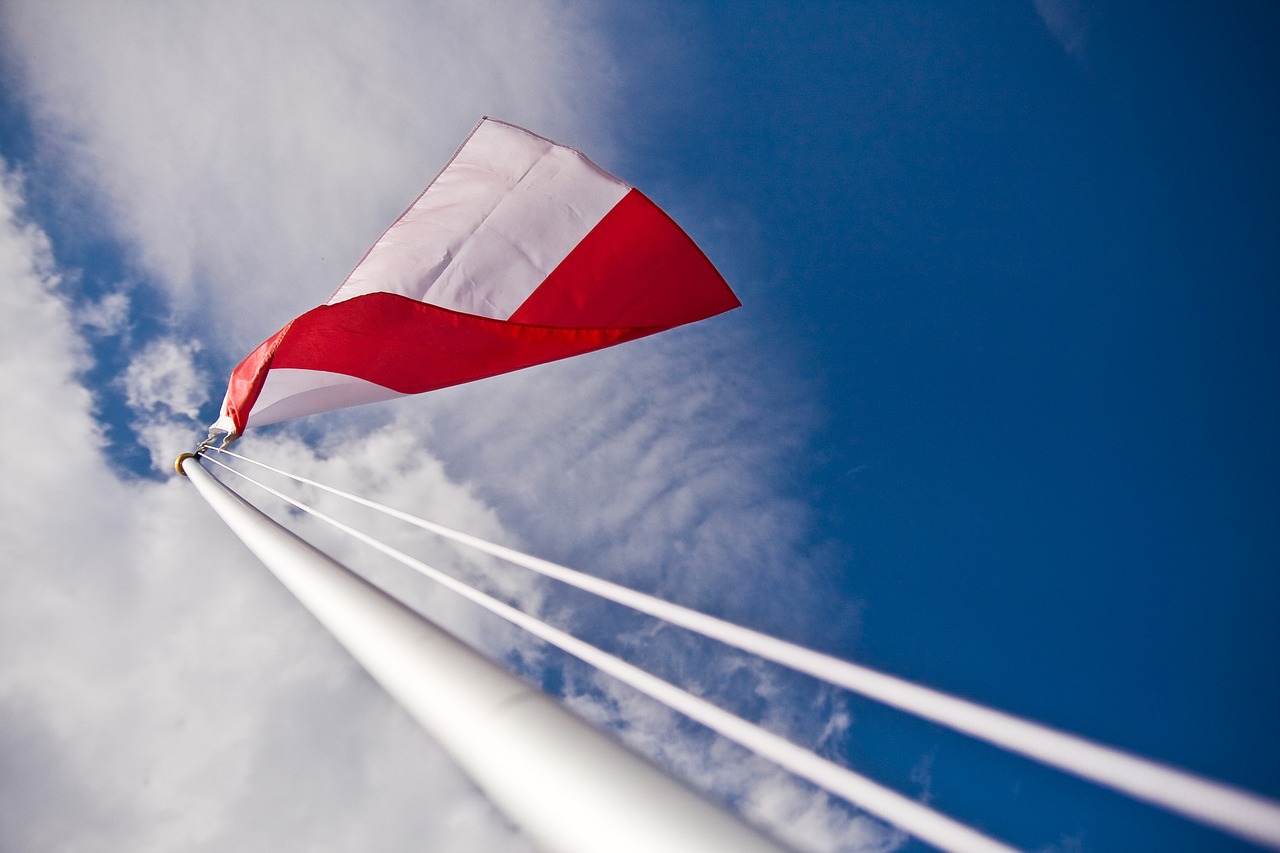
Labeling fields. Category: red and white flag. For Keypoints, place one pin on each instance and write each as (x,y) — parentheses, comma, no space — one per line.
(520,252)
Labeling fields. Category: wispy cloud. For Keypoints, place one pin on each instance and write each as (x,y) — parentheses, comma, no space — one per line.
(1067,22)
(107,316)
(159,689)
(233,145)
(244,158)
(164,377)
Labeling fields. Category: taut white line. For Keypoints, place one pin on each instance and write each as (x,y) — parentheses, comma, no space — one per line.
(913,817)
(1230,809)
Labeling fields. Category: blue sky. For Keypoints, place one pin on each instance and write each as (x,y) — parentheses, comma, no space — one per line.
(1037,290)
(998,413)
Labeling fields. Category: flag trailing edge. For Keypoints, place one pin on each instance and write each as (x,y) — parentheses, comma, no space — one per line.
(520,252)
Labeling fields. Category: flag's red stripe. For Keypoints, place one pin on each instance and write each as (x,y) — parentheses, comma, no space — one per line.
(410,346)
(634,274)
(248,377)
(635,268)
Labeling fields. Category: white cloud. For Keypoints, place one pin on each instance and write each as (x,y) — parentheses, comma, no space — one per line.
(163,377)
(107,317)
(246,155)
(157,690)
(165,390)
(249,152)
(805,819)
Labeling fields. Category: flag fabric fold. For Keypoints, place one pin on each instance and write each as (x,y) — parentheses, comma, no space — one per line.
(520,252)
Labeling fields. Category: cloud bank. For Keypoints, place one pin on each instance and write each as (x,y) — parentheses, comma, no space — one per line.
(233,145)
(158,691)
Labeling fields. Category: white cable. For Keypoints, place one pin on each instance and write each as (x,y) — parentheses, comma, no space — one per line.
(1230,809)
(907,814)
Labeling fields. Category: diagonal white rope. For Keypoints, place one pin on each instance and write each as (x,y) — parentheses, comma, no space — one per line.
(1230,809)
(907,814)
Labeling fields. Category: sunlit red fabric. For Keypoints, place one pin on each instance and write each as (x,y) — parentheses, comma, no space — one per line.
(520,252)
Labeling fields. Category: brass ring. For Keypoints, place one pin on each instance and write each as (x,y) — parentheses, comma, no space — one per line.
(177,463)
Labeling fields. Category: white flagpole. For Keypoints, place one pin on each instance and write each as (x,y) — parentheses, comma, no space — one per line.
(570,788)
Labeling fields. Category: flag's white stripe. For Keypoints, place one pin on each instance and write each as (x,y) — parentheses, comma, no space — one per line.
(292,393)
(532,229)
(1238,812)
(913,817)
(501,216)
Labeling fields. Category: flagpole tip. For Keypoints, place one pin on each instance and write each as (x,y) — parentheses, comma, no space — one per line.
(177,463)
